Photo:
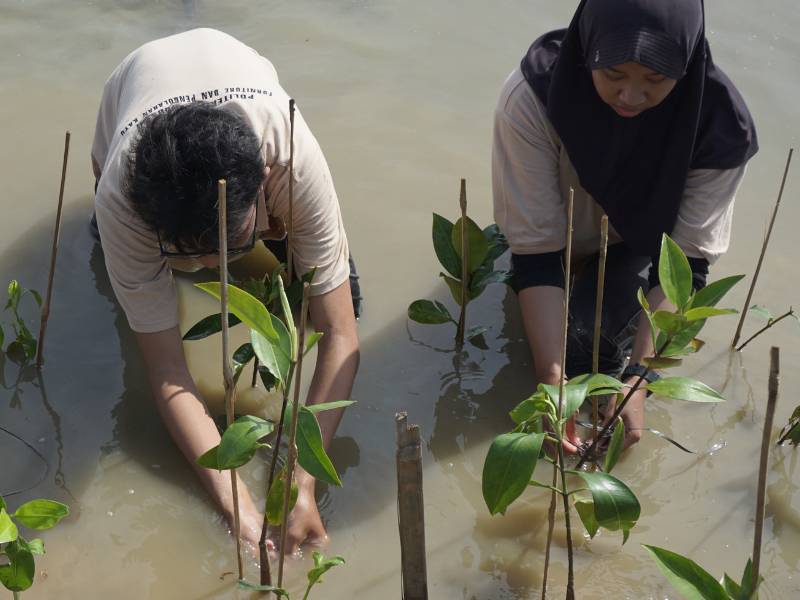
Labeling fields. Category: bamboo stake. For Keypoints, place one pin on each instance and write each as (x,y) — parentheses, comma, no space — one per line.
(772,401)
(738,333)
(567,274)
(598,318)
(292,457)
(411,510)
(290,228)
(227,371)
(551,523)
(462,319)
(53,254)
(770,324)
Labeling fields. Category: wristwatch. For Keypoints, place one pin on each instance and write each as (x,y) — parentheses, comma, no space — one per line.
(639,370)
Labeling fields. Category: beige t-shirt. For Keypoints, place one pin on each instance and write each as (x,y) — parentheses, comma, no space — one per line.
(210,66)
(532,174)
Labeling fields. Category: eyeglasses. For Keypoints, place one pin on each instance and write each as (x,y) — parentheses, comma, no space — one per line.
(261,226)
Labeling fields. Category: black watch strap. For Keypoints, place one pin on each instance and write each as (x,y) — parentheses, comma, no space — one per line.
(639,370)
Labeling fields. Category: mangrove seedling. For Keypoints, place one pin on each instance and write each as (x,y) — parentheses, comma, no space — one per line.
(24,343)
(466,278)
(276,344)
(510,463)
(17,564)
(321,566)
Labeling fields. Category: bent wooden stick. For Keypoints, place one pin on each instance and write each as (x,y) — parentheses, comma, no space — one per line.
(290,228)
(738,333)
(227,371)
(53,254)
(462,319)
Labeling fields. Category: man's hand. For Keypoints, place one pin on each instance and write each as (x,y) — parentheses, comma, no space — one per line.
(632,415)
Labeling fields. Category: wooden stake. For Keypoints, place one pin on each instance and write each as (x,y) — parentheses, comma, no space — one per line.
(598,318)
(462,319)
(227,371)
(738,333)
(290,228)
(551,523)
(411,510)
(567,275)
(292,455)
(772,401)
(53,254)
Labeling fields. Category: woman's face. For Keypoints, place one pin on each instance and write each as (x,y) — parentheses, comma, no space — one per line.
(630,88)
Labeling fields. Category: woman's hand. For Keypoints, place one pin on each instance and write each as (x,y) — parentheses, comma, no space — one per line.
(632,415)
(304,525)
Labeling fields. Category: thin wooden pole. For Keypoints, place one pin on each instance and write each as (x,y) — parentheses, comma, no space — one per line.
(53,253)
(567,275)
(598,318)
(290,228)
(292,454)
(227,371)
(462,319)
(551,523)
(411,510)
(738,333)
(772,401)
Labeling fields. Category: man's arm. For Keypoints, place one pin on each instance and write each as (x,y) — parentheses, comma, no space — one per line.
(187,419)
(335,371)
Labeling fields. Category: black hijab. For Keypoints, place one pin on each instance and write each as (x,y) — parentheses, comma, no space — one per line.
(636,168)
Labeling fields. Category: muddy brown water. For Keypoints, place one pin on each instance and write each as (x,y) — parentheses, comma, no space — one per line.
(400,96)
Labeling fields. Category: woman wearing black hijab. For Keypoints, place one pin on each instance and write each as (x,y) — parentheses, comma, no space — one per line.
(627,107)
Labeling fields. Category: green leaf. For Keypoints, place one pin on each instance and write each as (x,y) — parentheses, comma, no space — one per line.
(18,575)
(684,388)
(430,313)
(442,244)
(683,342)
(37,297)
(731,587)
(508,468)
(497,243)
(14,294)
(209,459)
(615,505)
(3,503)
(686,576)
(275,356)
(669,322)
(536,405)
(321,566)
(240,441)
(484,276)
(279,592)
(455,288)
(598,384)
(246,307)
(706,312)
(41,514)
(209,326)
(34,546)
(26,340)
(762,311)
(289,321)
(310,450)
(662,362)
(8,531)
(243,355)
(477,245)
(640,295)
(323,406)
(747,592)
(2,337)
(574,396)
(713,292)
(585,510)
(674,273)
(615,447)
(311,341)
(275,498)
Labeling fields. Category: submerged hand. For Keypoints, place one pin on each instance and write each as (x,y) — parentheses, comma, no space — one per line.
(632,415)
(571,442)
(304,525)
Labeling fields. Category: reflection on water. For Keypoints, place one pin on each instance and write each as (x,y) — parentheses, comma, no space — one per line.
(400,97)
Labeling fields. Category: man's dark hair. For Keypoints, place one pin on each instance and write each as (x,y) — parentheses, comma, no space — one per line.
(177,159)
